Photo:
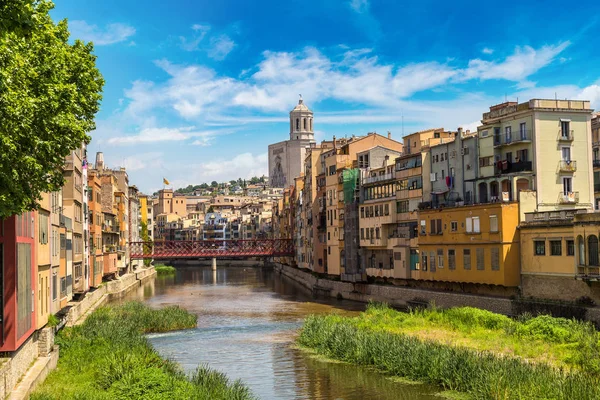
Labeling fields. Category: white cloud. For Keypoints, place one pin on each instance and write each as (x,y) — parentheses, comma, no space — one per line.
(112,33)
(524,62)
(141,161)
(360,6)
(245,165)
(193,43)
(220,47)
(153,135)
(487,50)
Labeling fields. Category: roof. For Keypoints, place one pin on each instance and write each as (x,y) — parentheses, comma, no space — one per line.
(301,106)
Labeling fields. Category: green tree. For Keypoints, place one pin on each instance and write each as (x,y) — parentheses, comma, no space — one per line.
(148,245)
(50,91)
(214,184)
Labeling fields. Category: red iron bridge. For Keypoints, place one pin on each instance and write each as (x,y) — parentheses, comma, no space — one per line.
(171,249)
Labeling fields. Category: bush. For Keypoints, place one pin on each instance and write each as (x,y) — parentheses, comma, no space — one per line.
(482,375)
(108,357)
(162,269)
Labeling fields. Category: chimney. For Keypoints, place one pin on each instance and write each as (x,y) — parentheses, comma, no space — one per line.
(100,161)
(334,143)
(389,135)
(386,158)
(460,131)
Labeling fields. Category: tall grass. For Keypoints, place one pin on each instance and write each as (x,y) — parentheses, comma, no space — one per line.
(482,374)
(108,357)
(162,269)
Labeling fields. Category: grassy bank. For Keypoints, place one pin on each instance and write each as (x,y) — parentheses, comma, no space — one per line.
(162,269)
(466,350)
(108,357)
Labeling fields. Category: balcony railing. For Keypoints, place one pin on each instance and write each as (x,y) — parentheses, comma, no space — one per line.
(568,198)
(567,165)
(378,178)
(596,144)
(506,167)
(596,163)
(514,137)
(596,187)
(565,136)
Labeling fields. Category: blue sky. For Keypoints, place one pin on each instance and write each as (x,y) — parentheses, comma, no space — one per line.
(196,90)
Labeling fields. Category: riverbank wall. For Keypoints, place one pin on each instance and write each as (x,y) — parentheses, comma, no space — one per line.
(24,369)
(404,297)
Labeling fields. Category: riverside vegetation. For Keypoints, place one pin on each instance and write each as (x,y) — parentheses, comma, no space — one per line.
(109,357)
(162,269)
(486,355)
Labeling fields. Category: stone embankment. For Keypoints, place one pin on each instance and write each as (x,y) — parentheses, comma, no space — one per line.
(402,297)
(29,366)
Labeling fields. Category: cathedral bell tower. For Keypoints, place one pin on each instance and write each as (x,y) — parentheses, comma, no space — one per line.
(301,122)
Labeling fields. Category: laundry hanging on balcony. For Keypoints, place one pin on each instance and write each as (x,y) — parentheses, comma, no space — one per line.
(450,181)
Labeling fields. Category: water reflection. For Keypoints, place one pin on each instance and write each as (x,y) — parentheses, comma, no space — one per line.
(247,321)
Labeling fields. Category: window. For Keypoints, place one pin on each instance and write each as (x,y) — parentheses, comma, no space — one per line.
(509,156)
(556,247)
(480,259)
(565,129)
(493,223)
(508,134)
(567,185)
(539,247)
(377,233)
(452,259)
(476,228)
(523,131)
(443,174)
(24,289)
(566,153)
(297,123)
(432,267)
(54,286)
(454,226)
(63,286)
(424,261)
(329,250)
(362,233)
(423,227)
(43,225)
(78,271)
(452,171)
(495,252)
(467,258)
(362,212)
(469,225)
(440,254)
(570,247)
(522,156)
(386,209)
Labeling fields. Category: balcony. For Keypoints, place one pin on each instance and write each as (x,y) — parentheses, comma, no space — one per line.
(567,166)
(565,136)
(507,167)
(378,178)
(596,163)
(513,138)
(568,198)
(596,187)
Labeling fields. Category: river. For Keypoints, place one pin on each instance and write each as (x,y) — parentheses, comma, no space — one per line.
(247,322)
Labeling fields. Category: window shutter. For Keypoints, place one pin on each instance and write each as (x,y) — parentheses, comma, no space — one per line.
(469,225)
(476,225)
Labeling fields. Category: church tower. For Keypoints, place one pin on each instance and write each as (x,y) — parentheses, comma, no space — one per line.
(301,122)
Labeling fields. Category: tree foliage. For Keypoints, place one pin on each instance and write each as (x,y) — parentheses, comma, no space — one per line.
(50,91)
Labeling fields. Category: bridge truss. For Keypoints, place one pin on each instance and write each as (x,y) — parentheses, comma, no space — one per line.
(170,249)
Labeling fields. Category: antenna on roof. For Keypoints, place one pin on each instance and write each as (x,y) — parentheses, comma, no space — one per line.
(402,113)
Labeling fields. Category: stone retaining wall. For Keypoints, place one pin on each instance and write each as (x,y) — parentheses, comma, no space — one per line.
(393,295)
(17,365)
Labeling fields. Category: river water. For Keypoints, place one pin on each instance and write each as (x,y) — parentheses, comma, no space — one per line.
(247,322)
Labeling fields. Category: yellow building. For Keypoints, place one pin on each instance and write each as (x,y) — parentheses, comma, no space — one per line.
(475,244)
(595,124)
(560,255)
(44,260)
(542,146)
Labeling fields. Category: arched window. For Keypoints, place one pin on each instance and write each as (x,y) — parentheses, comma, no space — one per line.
(581,248)
(304,123)
(297,123)
(593,251)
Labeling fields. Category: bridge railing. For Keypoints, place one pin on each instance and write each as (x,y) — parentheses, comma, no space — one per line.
(211,248)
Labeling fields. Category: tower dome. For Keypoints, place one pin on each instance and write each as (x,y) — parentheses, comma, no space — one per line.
(301,122)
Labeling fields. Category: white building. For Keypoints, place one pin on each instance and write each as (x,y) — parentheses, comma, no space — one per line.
(286,159)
